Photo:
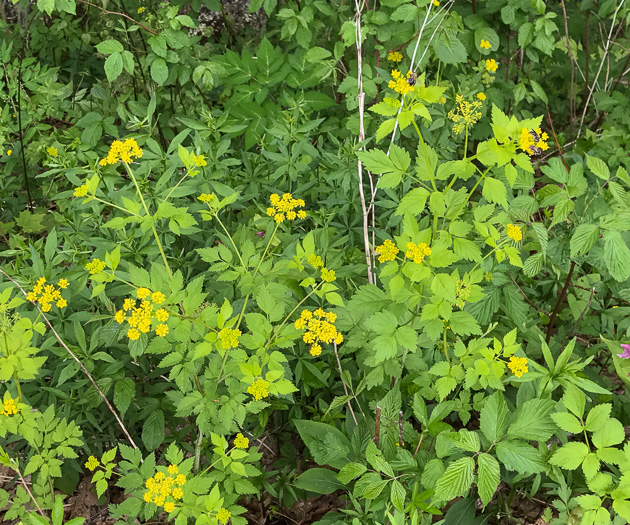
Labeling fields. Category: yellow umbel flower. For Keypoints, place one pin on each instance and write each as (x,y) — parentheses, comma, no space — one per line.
(63,283)
(95,266)
(258,389)
(518,365)
(52,151)
(533,141)
(481,96)
(47,294)
(417,252)
(205,197)
(240,441)
(387,251)
(141,10)
(320,328)
(223,515)
(157,297)
(140,317)
(285,207)
(177,493)
(180,480)
(172,469)
(200,160)
(328,275)
(514,232)
(401,84)
(91,463)
(394,56)
(81,191)
(465,114)
(315,261)
(491,65)
(9,407)
(436,3)
(169,506)
(122,151)
(229,338)
(484,44)
(161,488)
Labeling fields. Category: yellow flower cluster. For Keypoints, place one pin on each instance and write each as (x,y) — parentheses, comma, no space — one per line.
(206,197)
(9,151)
(9,408)
(328,275)
(387,251)
(81,191)
(417,252)
(491,65)
(200,160)
(394,56)
(285,208)
(52,151)
(462,293)
(223,515)
(465,114)
(315,261)
(140,317)
(484,44)
(95,266)
(436,3)
(161,487)
(534,141)
(400,84)
(320,328)
(259,389)
(514,232)
(229,337)
(91,463)
(45,294)
(241,441)
(141,10)
(122,151)
(481,96)
(518,365)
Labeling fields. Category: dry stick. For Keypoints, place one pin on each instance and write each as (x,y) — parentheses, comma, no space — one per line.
(29,492)
(345,388)
(124,15)
(527,298)
(419,443)
(556,139)
(587,57)
(559,302)
(572,108)
(377,426)
(590,299)
(599,70)
(111,409)
(361,98)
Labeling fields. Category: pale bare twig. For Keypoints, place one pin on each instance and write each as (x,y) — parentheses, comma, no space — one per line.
(527,298)
(601,65)
(61,342)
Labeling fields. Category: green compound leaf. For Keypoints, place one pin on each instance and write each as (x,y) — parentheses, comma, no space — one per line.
(456,481)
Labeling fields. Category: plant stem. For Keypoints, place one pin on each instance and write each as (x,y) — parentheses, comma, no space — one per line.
(216,216)
(17,385)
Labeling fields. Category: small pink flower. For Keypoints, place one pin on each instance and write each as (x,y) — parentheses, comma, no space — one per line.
(260,234)
(626,352)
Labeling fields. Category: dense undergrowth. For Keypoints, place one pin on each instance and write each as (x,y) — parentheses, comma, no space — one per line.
(327,262)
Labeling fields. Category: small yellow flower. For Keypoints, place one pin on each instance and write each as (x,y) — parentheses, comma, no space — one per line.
(328,275)
(514,232)
(518,365)
(157,297)
(52,151)
(148,496)
(95,266)
(63,284)
(394,56)
(172,469)
(200,160)
(81,191)
(258,389)
(417,252)
(241,441)
(9,151)
(141,10)
(484,44)
(122,151)
(62,303)
(180,480)
(159,500)
(205,197)
(387,251)
(9,407)
(481,96)
(229,337)
(223,515)
(119,317)
(133,334)
(491,65)
(161,315)
(315,261)
(91,463)
(436,3)
(169,506)
(316,349)
(177,493)
(161,330)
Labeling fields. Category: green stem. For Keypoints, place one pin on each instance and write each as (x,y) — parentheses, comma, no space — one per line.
(176,185)
(466,143)
(424,150)
(146,209)
(116,206)
(17,384)
(448,359)
(216,216)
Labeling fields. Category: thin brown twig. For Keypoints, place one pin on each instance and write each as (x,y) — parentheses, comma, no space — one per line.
(29,492)
(124,15)
(111,409)
(556,139)
(527,298)
(345,388)
(419,443)
(377,426)
(563,292)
